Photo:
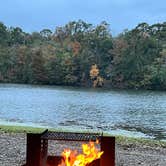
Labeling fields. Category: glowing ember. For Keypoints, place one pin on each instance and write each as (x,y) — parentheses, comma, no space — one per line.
(89,154)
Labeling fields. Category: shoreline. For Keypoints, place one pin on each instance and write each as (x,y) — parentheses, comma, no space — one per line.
(119,138)
(84,87)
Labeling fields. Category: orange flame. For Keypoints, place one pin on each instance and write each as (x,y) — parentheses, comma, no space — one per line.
(72,158)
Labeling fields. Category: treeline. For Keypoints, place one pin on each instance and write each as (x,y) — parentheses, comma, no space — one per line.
(81,54)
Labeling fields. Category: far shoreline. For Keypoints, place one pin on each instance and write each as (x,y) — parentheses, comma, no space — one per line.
(123,140)
(104,88)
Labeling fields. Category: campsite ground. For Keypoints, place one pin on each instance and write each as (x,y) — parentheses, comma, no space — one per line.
(129,151)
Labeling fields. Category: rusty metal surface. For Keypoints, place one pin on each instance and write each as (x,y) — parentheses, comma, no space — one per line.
(108,147)
(33,157)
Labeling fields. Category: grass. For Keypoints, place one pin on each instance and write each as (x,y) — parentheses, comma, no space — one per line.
(140,141)
(119,139)
(20,129)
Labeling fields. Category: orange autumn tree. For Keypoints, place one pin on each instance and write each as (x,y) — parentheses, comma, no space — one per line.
(95,77)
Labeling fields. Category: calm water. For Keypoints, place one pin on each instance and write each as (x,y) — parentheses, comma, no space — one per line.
(131,113)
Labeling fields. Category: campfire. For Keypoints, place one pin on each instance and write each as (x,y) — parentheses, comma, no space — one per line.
(89,153)
(94,153)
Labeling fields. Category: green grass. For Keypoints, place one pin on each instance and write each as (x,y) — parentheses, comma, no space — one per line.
(119,139)
(20,129)
(140,141)
(27,129)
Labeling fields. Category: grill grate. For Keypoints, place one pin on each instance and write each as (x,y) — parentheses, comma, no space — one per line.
(69,136)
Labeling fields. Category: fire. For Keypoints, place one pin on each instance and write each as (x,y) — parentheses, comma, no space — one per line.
(89,153)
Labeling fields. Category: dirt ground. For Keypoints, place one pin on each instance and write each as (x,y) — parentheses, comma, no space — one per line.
(13,152)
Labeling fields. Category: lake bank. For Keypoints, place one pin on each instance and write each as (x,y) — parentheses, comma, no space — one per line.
(119,138)
(129,151)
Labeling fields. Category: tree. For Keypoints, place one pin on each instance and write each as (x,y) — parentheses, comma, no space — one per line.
(46,34)
(39,74)
(76,51)
(94,74)
(17,36)
(140,53)
(3,34)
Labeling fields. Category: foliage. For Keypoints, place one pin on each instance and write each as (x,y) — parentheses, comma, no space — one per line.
(94,75)
(81,54)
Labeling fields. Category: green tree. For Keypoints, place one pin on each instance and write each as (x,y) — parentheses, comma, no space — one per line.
(3,34)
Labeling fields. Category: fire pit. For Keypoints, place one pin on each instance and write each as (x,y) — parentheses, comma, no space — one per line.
(37,147)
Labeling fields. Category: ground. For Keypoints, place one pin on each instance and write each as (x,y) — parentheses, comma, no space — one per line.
(13,151)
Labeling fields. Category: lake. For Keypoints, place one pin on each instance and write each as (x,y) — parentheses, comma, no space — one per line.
(118,112)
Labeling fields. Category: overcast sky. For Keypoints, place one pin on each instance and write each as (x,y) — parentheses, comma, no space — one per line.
(34,15)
